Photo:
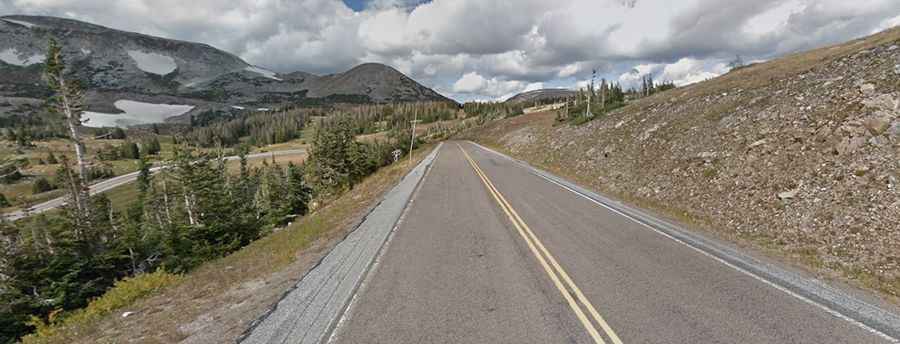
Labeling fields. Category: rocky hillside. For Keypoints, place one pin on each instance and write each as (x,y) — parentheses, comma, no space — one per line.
(799,156)
(116,65)
(539,95)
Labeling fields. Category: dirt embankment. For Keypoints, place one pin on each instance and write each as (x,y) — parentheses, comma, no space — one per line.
(799,156)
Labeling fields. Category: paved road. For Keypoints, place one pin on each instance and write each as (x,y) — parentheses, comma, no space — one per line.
(307,313)
(492,252)
(111,183)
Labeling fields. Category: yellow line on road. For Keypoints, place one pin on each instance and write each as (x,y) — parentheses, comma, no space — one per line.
(534,243)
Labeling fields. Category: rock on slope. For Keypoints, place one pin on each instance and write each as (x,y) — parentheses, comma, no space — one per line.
(117,65)
(799,154)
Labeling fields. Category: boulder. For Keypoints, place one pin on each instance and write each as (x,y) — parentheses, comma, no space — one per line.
(884,102)
(877,123)
(867,89)
(789,194)
(894,131)
(850,145)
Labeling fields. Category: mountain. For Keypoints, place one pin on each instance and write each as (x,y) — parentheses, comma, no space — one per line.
(117,67)
(539,95)
(799,155)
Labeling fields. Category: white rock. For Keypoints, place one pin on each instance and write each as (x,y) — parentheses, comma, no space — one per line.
(757,143)
(707,155)
(789,194)
(127,314)
(867,89)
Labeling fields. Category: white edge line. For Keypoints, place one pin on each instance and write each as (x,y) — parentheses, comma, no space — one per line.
(348,310)
(825,308)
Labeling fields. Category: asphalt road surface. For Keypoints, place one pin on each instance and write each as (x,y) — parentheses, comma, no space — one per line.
(111,183)
(492,252)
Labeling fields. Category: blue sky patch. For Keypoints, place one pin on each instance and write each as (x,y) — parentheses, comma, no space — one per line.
(360,5)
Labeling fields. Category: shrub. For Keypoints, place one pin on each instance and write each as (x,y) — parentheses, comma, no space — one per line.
(150,147)
(129,150)
(41,185)
(124,293)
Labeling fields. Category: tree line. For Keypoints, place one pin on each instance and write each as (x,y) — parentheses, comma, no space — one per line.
(194,210)
(261,128)
(282,125)
(487,111)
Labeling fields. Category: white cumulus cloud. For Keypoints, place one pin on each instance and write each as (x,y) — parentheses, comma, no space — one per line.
(477,49)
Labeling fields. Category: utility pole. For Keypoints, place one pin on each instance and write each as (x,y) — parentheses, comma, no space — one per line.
(413,134)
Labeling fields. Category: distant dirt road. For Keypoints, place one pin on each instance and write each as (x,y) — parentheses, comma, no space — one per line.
(111,183)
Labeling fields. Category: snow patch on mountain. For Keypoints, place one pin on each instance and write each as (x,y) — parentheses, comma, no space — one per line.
(136,113)
(13,57)
(264,72)
(153,63)
(23,23)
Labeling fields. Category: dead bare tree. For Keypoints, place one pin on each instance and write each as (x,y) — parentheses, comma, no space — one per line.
(68,100)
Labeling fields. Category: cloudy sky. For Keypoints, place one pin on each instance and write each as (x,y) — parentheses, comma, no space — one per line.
(490,49)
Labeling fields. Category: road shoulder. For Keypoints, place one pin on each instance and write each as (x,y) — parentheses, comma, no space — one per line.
(851,305)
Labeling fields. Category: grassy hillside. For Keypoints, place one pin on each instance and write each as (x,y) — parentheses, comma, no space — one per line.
(799,156)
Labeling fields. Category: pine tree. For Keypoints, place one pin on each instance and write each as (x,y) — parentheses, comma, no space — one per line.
(68,100)
(23,137)
(129,150)
(41,185)
(143,178)
(328,156)
(151,146)
(300,193)
(118,134)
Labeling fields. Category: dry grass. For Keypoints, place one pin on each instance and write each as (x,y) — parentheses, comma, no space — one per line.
(124,293)
(300,143)
(20,193)
(282,160)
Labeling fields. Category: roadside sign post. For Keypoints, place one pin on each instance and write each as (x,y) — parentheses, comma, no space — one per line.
(412,140)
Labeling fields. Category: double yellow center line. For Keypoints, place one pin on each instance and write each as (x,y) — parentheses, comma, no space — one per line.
(557,274)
